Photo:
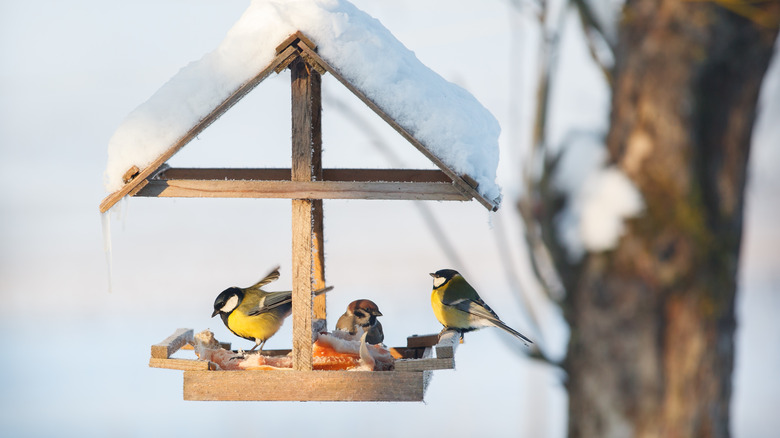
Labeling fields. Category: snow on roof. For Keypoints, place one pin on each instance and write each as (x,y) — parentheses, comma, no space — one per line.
(446,118)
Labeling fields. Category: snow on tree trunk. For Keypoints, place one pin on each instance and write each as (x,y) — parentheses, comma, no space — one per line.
(652,321)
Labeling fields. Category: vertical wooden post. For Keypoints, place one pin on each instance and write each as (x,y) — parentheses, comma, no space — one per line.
(318,240)
(306,213)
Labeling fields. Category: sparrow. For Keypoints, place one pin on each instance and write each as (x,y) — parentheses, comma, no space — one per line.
(362,313)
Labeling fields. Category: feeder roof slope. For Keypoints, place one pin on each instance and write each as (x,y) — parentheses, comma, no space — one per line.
(447,119)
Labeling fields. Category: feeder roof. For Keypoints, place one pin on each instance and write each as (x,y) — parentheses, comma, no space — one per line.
(446,120)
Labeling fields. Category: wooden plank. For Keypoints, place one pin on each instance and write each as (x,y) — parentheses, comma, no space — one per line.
(303,385)
(286,62)
(301,190)
(406,353)
(182,364)
(428,374)
(319,305)
(131,173)
(365,175)
(456,178)
(172,343)
(448,342)
(302,214)
(301,294)
(417,341)
(428,364)
(292,39)
(220,109)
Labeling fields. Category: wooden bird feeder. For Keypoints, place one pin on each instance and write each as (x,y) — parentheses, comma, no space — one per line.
(306,183)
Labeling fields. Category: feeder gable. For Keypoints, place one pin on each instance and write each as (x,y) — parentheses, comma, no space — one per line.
(299,47)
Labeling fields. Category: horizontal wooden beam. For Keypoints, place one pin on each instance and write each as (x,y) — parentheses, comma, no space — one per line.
(373,175)
(182,364)
(304,385)
(426,364)
(421,341)
(139,180)
(186,188)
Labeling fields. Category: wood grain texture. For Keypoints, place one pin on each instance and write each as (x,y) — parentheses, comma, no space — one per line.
(302,287)
(172,343)
(448,342)
(303,385)
(428,364)
(182,364)
(305,122)
(277,174)
(416,341)
(302,190)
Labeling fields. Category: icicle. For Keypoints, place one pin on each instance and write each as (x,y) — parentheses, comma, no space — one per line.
(106,221)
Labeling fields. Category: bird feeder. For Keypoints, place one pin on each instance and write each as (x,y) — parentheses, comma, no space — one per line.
(306,183)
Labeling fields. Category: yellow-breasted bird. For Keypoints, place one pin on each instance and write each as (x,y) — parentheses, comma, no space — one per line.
(458,306)
(362,313)
(253,313)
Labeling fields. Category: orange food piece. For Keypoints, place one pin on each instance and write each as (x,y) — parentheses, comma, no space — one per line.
(329,353)
(324,357)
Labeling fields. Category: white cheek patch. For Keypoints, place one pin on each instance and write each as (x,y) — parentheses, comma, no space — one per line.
(438,281)
(230,305)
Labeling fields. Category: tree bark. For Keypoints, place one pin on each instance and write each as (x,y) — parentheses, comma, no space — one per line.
(652,321)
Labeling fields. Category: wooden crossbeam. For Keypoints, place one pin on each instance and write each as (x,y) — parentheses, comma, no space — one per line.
(281,174)
(425,191)
(388,184)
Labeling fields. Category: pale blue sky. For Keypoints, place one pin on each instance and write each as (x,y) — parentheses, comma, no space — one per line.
(71,71)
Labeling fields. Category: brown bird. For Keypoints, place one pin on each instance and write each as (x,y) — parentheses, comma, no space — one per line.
(362,313)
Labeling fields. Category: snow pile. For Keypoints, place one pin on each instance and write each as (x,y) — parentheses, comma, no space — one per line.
(598,198)
(443,116)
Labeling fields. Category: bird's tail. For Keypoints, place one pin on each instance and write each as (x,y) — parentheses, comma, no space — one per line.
(500,324)
(484,313)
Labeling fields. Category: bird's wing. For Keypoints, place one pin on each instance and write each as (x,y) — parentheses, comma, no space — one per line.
(271,300)
(272,276)
(481,310)
(346,323)
(476,307)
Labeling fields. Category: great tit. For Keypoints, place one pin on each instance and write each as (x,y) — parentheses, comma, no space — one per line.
(458,306)
(362,313)
(253,313)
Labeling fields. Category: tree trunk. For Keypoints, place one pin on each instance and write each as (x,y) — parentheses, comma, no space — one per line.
(652,322)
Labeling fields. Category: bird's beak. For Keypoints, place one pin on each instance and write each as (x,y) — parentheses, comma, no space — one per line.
(377,313)
(432,274)
(216,311)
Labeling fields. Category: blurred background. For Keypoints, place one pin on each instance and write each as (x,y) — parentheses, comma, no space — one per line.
(79,314)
